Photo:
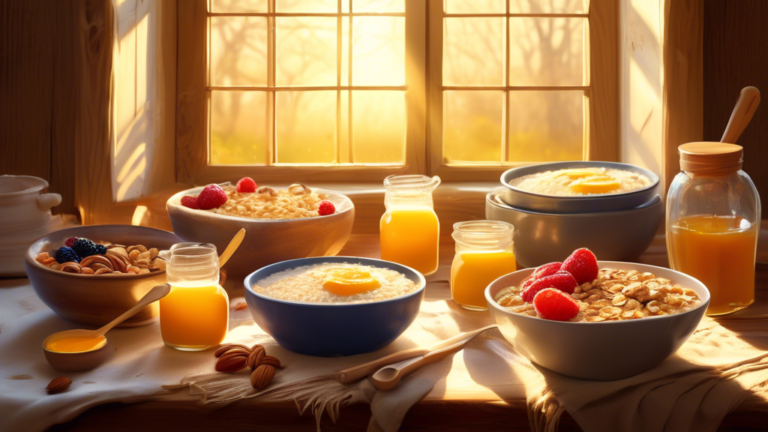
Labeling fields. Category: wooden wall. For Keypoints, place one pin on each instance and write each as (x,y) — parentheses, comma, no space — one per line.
(38,93)
(735,56)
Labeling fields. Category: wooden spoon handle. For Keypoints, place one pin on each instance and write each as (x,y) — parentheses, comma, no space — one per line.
(232,247)
(153,295)
(742,114)
(348,376)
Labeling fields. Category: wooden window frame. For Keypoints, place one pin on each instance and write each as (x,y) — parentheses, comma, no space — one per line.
(424,98)
(601,113)
(192,110)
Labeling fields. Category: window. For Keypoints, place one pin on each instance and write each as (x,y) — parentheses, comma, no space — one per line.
(354,89)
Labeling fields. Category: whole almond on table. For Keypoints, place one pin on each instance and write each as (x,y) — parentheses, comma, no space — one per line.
(256,356)
(271,361)
(262,376)
(228,347)
(58,385)
(231,364)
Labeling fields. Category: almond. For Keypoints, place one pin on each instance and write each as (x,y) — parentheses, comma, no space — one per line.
(225,348)
(93,262)
(235,353)
(58,385)
(256,356)
(230,364)
(271,361)
(262,376)
(71,267)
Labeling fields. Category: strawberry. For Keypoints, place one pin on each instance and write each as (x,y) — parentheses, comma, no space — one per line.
(582,264)
(546,270)
(326,208)
(246,184)
(553,304)
(212,196)
(189,201)
(527,283)
(561,280)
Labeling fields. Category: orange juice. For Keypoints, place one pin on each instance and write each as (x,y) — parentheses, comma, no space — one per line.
(720,252)
(472,272)
(411,237)
(77,344)
(194,316)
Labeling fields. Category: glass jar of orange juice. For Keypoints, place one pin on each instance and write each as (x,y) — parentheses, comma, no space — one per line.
(194,316)
(483,254)
(713,220)
(409,229)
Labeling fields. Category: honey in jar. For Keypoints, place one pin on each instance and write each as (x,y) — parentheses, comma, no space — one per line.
(713,219)
(409,229)
(483,254)
(194,316)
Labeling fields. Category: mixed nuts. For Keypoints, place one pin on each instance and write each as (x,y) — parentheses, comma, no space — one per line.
(235,357)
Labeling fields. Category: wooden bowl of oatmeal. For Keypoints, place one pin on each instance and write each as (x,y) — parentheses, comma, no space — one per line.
(294,303)
(611,348)
(578,187)
(271,235)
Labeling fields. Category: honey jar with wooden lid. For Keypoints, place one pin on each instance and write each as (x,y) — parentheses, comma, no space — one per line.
(713,220)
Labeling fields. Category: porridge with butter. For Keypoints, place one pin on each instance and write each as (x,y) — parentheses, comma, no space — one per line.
(335,283)
(581,181)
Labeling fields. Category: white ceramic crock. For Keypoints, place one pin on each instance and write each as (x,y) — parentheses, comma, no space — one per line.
(25,215)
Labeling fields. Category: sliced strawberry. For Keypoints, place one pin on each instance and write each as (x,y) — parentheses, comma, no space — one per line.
(189,201)
(582,264)
(546,270)
(527,283)
(553,304)
(561,280)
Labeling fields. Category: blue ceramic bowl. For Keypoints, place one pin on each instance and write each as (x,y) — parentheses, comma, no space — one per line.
(330,330)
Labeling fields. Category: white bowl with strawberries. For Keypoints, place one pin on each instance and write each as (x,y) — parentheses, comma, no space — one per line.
(598,320)
(281,223)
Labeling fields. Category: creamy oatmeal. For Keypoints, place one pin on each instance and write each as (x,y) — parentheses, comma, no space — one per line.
(616,295)
(581,181)
(335,283)
(295,202)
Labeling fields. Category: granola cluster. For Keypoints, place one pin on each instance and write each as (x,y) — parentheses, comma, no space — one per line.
(616,295)
(297,201)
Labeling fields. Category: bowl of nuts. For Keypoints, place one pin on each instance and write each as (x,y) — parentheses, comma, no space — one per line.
(92,274)
(280,223)
(597,320)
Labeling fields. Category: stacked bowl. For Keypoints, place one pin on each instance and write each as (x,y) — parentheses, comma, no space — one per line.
(615,226)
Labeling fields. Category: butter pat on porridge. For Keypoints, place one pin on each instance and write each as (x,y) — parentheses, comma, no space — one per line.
(335,283)
(581,181)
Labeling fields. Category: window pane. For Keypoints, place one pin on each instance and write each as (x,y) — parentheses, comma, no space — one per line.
(306,125)
(472,126)
(546,126)
(548,6)
(546,51)
(239,128)
(240,6)
(476,6)
(306,51)
(380,6)
(378,51)
(379,126)
(316,6)
(239,51)
(473,51)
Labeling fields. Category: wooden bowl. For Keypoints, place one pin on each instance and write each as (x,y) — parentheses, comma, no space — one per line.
(97,299)
(267,241)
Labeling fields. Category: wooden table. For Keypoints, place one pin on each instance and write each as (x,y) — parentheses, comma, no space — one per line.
(455,406)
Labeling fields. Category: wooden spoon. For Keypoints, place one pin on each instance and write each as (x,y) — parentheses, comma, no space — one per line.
(232,247)
(742,114)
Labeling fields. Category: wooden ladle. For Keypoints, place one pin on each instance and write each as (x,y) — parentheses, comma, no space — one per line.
(742,113)
(75,361)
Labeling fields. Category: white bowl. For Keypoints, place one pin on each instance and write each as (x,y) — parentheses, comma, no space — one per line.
(608,350)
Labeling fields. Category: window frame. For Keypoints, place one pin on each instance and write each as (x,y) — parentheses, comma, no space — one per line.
(424,98)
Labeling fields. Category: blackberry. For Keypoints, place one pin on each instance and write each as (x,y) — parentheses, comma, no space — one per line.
(84,248)
(66,254)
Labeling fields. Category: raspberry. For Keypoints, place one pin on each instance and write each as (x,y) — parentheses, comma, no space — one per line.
(553,304)
(582,264)
(561,280)
(326,208)
(546,270)
(189,201)
(70,241)
(85,248)
(212,196)
(66,254)
(246,184)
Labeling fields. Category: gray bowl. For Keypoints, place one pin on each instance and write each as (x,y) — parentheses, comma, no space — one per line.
(541,238)
(576,204)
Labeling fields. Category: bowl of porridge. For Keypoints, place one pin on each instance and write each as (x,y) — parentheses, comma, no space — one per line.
(334,306)
(629,319)
(578,187)
(281,223)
